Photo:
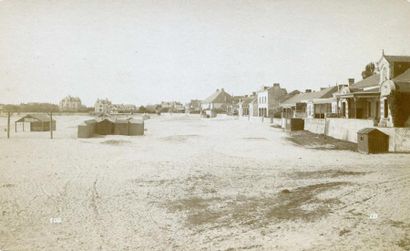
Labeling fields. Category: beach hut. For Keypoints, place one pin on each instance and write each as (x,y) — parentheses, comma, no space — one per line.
(129,127)
(136,127)
(372,140)
(109,126)
(87,129)
(105,126)
(38,122)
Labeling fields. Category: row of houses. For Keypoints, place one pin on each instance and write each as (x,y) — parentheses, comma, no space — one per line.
(105,106)
(263,103)
(383,97)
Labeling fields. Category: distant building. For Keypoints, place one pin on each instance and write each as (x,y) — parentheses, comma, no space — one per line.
(233,107)
(268,99)
(70,104)
(310,104)
(103,106)
(194,106)
(123,108)
(253,107)
(244,105)
(219,101)
(172,106)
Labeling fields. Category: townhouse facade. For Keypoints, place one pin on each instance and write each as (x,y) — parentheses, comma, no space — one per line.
(70,104)
(268,99)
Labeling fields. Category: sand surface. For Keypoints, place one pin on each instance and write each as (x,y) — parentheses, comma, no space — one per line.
(197,184)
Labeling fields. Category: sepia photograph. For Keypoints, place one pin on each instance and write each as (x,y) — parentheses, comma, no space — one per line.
(224,125)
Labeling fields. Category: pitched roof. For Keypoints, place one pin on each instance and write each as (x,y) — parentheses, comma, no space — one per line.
(247,100)
(216,95)
(402,81)
(404,77)
(39,117)
(392,58)
(289,95)
(371,81)
(303,97)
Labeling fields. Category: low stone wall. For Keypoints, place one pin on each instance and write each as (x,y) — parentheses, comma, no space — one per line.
(399,139)
(277,122)
(315,125)
(346,129)
(256,119)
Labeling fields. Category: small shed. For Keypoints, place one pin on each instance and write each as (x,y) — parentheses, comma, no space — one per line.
(295,124)
(109,126)
(129,127)
(136,127)
(372,140)
(87,129)
(105,126)
(38,122)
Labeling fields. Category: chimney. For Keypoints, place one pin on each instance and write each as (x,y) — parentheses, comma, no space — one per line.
(308,90)
(322,88)
(222,89)
(253,93)
(217,90)
(276,84)
(350,81)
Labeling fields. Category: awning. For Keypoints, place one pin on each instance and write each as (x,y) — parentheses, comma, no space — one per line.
(323,100)
(362,94)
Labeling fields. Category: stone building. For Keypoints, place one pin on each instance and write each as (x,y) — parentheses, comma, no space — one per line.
(103,106)
(70,104)
(268,99)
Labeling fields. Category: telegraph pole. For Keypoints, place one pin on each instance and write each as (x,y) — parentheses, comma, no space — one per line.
(51,125)
(8,125)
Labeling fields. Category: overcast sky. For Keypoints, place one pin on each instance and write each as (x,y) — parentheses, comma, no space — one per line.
(143,52)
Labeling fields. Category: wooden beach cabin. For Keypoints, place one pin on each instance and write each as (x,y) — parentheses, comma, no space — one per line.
(37,122)
(109,126)
(105,126)
(87,129)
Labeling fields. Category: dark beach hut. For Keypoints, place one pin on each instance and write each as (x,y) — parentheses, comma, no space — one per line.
(87,129)
(109,126)
(38,122)
(105,126)
(121,127)
(371,140)
(136,127)
(129,127)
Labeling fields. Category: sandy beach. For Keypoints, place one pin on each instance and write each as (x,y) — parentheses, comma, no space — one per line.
(197,184)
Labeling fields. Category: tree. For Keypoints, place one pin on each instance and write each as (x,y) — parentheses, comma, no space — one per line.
(369,70)
(142,109)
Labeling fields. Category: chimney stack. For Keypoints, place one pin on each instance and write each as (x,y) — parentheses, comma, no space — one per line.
(350,81)
(308,90)
(276,84)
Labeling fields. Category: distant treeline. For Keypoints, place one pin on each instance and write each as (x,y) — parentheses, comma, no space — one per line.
(35,107)
(47,107)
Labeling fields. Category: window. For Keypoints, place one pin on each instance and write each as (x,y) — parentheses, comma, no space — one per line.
(386,108)
(377,109)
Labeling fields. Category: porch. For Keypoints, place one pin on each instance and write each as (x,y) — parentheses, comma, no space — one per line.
(363,105)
